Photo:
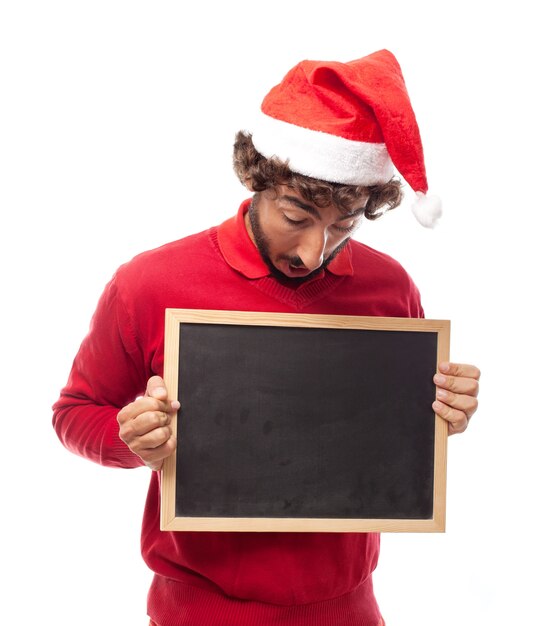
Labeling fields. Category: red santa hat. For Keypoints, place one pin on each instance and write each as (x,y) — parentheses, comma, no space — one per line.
(347,123)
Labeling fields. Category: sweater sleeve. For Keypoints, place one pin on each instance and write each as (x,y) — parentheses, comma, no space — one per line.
(107,374)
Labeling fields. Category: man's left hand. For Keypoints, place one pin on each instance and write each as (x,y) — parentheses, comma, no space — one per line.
(457,391)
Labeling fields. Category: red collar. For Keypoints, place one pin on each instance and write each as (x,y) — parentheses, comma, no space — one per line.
(242,255)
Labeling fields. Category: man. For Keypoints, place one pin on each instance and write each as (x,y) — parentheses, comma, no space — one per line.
(319,160)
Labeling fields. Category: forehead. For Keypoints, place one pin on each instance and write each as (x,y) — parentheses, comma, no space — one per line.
(323,206)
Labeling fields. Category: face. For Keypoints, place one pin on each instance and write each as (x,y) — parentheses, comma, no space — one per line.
(297,239)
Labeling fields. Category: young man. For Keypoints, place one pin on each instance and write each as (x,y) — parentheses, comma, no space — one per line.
(318,161)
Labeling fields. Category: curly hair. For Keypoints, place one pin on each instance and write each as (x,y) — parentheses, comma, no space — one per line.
(262,173)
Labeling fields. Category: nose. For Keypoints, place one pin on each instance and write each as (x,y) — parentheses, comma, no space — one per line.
(312,248)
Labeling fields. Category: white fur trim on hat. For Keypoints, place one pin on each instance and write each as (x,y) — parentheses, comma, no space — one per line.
(320,155)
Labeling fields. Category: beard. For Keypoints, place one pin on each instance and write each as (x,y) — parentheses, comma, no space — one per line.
(263,246)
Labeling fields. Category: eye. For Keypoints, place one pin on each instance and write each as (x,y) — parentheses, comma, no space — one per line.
(346,229)
(293,222)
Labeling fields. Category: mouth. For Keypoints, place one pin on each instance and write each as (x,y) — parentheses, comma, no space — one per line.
(294,271)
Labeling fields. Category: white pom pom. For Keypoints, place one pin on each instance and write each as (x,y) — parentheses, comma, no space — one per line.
(427,209)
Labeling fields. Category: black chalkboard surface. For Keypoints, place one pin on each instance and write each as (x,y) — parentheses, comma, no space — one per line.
(304,422)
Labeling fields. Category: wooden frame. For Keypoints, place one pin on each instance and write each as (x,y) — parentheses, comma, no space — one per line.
(171,522)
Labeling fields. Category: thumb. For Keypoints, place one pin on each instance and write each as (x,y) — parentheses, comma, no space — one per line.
(156,388)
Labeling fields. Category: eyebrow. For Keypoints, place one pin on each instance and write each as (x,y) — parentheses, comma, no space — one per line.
(309,208)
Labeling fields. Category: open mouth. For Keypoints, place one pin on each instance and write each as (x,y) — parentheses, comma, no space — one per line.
(293,270)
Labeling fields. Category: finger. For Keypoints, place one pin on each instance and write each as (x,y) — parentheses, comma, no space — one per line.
(156,388)
(154,457)
(139,406)
(152,439)
(456,419)
(132,429)
(459,369)
(467,404)
(148,421)
(456,384)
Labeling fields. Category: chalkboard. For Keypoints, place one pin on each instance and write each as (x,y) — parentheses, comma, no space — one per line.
(304,423)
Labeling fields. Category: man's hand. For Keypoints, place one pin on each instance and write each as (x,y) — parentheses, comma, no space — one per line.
(144,424)
(457,390)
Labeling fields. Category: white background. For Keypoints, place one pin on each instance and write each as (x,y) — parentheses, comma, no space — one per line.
(116,126)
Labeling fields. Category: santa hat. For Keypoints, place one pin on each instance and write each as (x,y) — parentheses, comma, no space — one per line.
(347,123)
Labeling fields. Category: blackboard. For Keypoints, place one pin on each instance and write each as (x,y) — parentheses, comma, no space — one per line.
(304,422)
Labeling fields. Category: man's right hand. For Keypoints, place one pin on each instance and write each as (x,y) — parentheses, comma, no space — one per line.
(144,425)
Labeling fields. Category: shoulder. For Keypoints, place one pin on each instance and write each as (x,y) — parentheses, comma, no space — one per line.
(380,274)
(166,262)
(375,262)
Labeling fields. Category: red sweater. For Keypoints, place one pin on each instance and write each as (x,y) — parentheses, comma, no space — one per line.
(225,579)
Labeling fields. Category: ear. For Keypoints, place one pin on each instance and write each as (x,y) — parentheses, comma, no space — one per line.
(248,185)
